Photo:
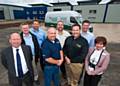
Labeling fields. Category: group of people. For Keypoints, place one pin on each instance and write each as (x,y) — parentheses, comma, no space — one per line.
(57,50)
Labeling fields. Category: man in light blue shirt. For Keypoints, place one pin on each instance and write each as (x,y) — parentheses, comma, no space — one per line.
(38,32)
(86,34)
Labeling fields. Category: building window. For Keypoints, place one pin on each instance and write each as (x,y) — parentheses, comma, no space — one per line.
(34,12)
(27,13)
(2,14)
(41,12)
(57,9)
(92,11)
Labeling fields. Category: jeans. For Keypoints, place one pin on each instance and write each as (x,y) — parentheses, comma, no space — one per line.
(51,73)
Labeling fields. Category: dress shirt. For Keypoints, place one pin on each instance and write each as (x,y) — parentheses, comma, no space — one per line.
(94,58)
(89,37)
(40,34)
(23,62)
(29,41)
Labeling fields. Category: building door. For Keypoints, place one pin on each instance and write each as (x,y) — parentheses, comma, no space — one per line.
(2,14)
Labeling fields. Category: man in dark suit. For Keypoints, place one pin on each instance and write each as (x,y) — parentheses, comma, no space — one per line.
(9,58)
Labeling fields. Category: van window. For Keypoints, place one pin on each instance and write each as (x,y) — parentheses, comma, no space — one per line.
(73,20)
(79,19)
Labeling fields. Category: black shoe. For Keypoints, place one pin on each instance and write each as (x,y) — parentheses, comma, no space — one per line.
(37,82)
(64,76)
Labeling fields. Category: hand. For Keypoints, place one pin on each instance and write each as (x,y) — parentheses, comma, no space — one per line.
(60,62)
(67,60)
(93,73)
(90,72)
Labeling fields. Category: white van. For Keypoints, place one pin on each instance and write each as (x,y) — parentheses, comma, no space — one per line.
(68,17)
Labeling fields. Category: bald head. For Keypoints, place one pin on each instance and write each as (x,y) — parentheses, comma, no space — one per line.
(51,29)
(15,40)
(51,33)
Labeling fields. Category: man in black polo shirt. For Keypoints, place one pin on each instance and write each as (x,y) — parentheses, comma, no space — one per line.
(75,50)
(53,57)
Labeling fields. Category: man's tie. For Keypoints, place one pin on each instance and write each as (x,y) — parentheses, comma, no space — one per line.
(19,65)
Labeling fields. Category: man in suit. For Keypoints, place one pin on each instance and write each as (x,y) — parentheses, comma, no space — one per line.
(9,58)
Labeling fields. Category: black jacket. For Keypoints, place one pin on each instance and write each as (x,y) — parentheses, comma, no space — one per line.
(37,50)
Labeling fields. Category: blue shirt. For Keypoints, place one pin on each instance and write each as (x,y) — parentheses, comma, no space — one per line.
(40,34)
(29,41)
(89,37)
(51,49)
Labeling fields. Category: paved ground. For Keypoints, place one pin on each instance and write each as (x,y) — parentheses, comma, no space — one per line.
(111,31)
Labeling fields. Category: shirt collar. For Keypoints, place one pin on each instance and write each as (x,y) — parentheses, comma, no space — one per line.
(53,41)
(17,48)
(36,30)
(26,35)
(100,49)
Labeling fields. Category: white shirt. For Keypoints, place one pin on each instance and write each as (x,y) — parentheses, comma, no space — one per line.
(95,56)
(61,37)
(29,41)
(23,62)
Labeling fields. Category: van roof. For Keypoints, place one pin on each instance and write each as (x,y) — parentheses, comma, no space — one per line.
(63,12)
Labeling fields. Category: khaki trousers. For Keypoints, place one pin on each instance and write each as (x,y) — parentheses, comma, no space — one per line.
(73,71)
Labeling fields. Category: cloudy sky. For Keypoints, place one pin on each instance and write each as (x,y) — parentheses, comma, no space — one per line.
(48,1)
(41,0)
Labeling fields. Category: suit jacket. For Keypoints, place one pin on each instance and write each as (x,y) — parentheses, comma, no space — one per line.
(37,50)
(102,64)
(8,61)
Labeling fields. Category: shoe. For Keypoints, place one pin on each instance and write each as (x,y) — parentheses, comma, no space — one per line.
(64,76)
(37,82)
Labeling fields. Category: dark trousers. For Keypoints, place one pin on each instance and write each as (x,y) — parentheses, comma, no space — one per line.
(42,64)
(27,80)
(63,70)
(90,80)
(41,61)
